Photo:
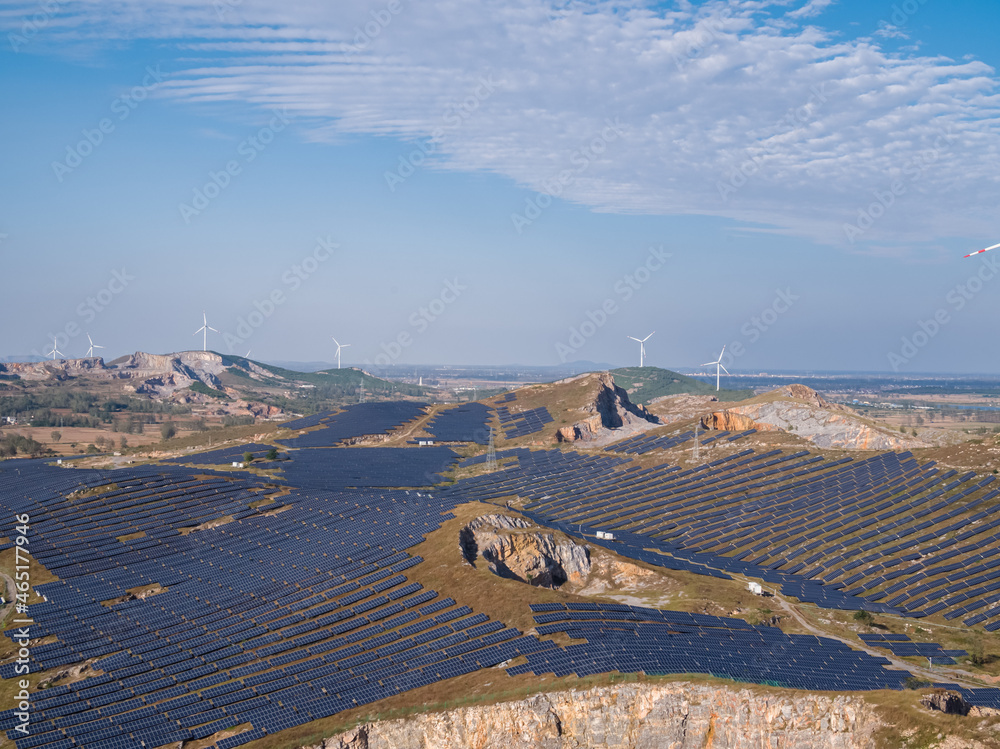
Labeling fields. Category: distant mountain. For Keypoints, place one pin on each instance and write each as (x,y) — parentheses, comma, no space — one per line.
(646,383)
(209,374)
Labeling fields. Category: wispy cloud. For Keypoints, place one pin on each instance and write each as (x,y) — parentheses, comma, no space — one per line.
(696,89)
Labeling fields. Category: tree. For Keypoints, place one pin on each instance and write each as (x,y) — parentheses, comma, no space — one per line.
(977,652)
(56,435)
(864,617)
(272,454)
(123,443)
(248,457)
(167,430)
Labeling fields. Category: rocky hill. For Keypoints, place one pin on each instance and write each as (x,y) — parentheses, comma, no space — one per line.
(634,716)
(611,409)
(802,411)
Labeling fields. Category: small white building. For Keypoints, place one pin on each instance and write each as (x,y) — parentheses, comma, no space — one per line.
(756,589)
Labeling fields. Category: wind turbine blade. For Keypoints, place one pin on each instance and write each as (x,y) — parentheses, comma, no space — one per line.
(648,337)
(709,363)
(979,252)
(197,331)
(723,353)
(346,345)
(634,338)
(211,328)
(335,340)
(724,369)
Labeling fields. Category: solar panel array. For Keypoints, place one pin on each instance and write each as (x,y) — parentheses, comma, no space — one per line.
(523,423)
(224,456)
(629,639)
(902,646)
(645,443)
(359,467)
(884,534)
(468,422)
(277,619)
(269,620)
(353,421)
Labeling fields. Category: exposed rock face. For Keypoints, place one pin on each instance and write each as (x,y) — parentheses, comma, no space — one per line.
(732,421)
(815,419)
(166,373)
(611,409)
(637,716)
(58,369)
(945,702)
(511,550)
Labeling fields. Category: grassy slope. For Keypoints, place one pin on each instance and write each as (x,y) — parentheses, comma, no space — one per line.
(646,383)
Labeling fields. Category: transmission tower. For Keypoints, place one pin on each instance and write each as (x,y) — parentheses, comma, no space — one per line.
(491,454)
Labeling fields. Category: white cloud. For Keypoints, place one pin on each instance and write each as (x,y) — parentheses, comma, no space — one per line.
(821,127)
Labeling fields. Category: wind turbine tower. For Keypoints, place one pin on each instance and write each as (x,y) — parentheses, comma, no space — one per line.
(339,347)
(55,350)
(90,351)
(718,366)
(205,327)
(642,346)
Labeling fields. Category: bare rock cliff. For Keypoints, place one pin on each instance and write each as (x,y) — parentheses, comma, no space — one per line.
(515,549)
(811,417)
(635,716)
(611,409)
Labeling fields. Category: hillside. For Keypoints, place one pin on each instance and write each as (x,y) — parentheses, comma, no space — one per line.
(646,383)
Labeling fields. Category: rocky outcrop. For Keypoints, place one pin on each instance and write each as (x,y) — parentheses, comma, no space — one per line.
(732,421)
(811,417)
(635,716)
(945,702)
(57,369)
(611,409)
(164,374)
(517,550)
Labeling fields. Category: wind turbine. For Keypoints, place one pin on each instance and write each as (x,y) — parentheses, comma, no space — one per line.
(90,351)
(204,329)
(979,252)
(339,346)
(55,350)
(642,346)
(718,366)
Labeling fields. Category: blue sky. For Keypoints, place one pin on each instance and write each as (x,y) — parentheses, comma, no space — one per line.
(488,183)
